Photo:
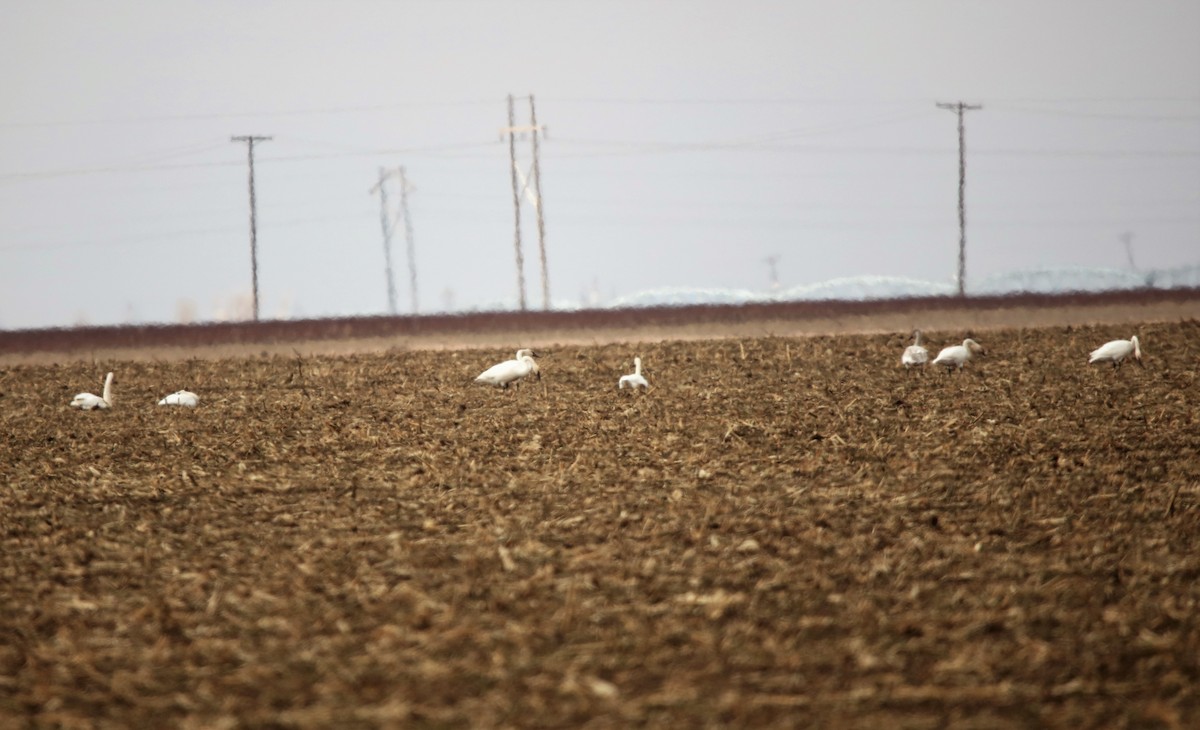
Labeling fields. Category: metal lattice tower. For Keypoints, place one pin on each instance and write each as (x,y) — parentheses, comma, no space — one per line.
(531,187)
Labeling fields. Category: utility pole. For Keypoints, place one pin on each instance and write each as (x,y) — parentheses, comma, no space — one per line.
(387,238)
(960,108)
(534,194)
(512,157)
(537,205)
(405,189)
(250,140)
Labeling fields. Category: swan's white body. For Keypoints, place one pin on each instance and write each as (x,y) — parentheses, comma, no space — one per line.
(915,355)
(635,380)
(1116,352)
(89,402)
(956,356)
(509,371)
(181,398)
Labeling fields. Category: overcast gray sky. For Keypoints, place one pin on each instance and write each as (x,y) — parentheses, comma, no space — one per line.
(687,142)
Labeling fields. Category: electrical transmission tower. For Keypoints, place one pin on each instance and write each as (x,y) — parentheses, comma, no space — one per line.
(534,195)
(250,140)
(387,222)
(773,263)
(960,108)
(1127,239)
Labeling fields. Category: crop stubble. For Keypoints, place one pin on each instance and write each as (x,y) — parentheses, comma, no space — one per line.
(780,531)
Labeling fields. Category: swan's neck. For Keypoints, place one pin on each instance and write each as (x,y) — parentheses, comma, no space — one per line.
(107,394)
(637,365)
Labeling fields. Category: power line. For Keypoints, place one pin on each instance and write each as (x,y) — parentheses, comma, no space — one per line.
(240,115)
(960,108)
(629,148)
(157,238)
(432,150)
(250,141)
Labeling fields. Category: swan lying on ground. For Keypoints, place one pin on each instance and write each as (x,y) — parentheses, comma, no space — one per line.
(1116,352)
(957,355)
(501,374)
(915,354)
(88,401)
(635,380)
(181,398)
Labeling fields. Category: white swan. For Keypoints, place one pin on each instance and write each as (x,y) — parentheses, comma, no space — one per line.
(1116,352)
(501,374)
(635,380)
(181,398)
(956,356)
(536,370)
(88,401)
(915,354)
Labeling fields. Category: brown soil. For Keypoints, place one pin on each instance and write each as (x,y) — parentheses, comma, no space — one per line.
(782,532)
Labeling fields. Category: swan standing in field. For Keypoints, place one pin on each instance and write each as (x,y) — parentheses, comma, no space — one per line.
(88,401)
(956,356)
(1116,352)
(181,398)
(501,374)
(635,380)
(915,355)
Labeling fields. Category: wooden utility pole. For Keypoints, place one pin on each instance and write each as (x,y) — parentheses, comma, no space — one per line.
(960,108)
(516,195)
(537,205)
(410,248)
(250,140)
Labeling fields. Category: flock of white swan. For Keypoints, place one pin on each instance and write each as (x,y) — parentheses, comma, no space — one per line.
(955,356)
(505,373)
(93,402)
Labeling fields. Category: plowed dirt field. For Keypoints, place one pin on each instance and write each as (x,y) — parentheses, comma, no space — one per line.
(780,532)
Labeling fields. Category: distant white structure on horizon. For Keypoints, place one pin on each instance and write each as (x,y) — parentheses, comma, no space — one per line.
(683,296)
(873,287)
(864,288)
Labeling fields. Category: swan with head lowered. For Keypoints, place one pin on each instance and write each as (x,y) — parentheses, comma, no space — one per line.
(1116,352)
(181,398)
(634,380)
(915,355)
(956,356)
(510,371)
(89,401)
